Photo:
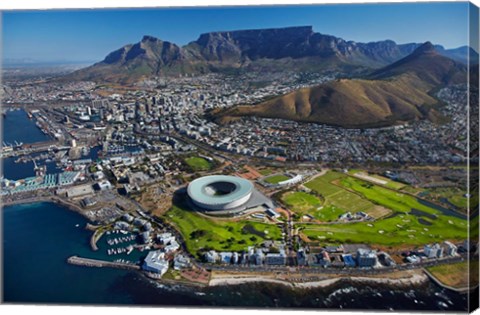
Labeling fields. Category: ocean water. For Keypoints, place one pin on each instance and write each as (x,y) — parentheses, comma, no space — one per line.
(17,127)
(38,238)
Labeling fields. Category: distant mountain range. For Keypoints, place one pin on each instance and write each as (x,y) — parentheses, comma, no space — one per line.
(396,93)
(291,48)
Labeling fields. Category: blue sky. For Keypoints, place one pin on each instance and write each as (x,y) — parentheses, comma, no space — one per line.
(89,35)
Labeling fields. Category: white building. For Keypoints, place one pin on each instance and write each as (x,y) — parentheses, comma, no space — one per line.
(81,190)
(181,262)
(173,246)
(104,185)
(165,238)
(451,249)
(434,251)
(211,256)
(155,262)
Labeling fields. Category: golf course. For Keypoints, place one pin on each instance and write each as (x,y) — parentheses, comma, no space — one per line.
(412,221)
(202,233)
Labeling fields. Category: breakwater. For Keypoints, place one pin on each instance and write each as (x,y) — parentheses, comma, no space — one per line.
(88,262)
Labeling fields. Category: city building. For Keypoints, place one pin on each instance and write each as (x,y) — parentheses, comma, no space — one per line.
(258,257)
(433,251)
(366,257)
(226,257)
(181,262)
(172,247)
(349,260)
(276,258)
(155,262)
(80,190)
(451,249)
(104,185)
(302,257)
(211,256)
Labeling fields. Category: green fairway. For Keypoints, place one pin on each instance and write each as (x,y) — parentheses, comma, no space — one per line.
(275,179)
(337,199)
(391,199)
(198,163)
(427,226)
(200,232)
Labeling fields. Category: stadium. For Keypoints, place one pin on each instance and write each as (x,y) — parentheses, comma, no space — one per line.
(225,195)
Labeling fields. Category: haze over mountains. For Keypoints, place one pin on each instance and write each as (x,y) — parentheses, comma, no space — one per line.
(297,48)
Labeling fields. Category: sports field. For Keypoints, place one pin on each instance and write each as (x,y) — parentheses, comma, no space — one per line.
(198,163)
(423,225)
(337,199)
(322,184)
(275,179)
(200,232)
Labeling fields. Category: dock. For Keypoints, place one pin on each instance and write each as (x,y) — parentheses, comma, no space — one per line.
(88,262)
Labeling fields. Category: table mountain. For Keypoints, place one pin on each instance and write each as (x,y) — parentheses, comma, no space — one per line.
(277,49)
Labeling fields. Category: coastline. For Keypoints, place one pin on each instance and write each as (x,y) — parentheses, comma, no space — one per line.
(416,278)
(39,199)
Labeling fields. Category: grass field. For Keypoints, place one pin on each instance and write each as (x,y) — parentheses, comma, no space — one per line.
(301,202)
(455,275)
(198,163)
(428,226)
(275,179)
(337,199)
(200,232)
(322,184)
(304,203)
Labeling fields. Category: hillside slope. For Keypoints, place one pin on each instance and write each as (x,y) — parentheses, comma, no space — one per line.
(394,94)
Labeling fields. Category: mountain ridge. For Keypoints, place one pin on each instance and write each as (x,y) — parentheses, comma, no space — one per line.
(300,47)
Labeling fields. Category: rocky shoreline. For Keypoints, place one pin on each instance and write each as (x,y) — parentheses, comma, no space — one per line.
(417,277)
